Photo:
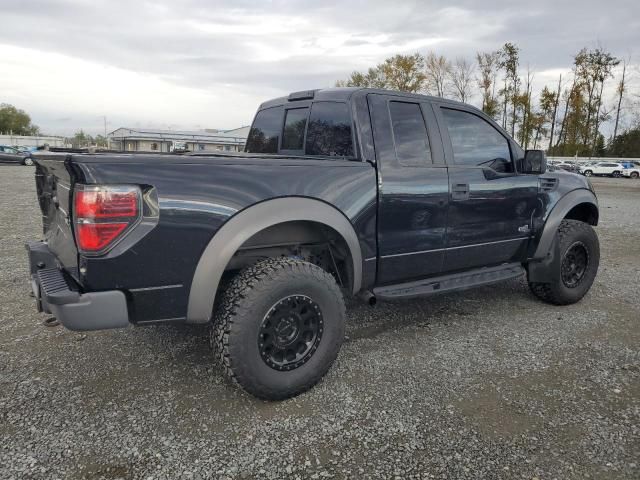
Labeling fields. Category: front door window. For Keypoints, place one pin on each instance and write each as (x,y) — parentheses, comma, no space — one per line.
(476,143)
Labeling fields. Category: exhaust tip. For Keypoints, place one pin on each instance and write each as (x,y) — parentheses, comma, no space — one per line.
(368,297)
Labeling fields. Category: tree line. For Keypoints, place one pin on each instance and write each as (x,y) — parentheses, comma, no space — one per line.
(14,121)
(81,139)
(565,119)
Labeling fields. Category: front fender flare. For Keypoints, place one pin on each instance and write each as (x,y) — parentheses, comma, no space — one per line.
(539,267)
(557,214)
(242,226)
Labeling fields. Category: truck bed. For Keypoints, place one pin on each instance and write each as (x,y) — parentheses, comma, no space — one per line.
(194,196)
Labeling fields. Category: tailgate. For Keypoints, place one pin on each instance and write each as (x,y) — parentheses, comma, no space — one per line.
(54,184)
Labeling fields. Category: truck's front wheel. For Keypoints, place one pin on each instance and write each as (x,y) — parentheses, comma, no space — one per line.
(278,327)
(573,271)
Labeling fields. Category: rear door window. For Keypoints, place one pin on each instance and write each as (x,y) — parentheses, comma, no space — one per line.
(264,134)
(409,134)
(329,131)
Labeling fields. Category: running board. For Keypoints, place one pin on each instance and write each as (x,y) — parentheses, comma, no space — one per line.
(451,282)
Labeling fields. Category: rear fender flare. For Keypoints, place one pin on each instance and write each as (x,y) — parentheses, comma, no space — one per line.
(242,226)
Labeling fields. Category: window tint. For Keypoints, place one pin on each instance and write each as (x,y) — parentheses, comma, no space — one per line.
(476,142)
(265,131)
(295,121)
(329,131)
(409,134)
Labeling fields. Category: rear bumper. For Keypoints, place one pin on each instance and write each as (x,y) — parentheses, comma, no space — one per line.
(57,294)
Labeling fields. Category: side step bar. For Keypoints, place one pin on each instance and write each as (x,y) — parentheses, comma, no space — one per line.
(451,282)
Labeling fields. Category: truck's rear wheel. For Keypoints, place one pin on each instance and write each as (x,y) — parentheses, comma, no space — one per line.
(574,271)
(278,327)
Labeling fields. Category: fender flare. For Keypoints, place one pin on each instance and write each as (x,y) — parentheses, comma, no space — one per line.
(242,226)
(557,214)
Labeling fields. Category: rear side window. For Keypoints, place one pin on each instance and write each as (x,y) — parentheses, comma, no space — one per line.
(409,134)
(329,131)
(265,131)
(295,122)
(476,142)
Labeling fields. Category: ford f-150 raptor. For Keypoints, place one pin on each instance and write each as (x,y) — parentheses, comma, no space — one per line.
(346,191)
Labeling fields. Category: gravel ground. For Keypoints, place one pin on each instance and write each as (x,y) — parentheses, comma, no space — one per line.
(485,384)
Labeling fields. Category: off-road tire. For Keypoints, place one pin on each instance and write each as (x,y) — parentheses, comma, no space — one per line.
(241,309)
(557,292)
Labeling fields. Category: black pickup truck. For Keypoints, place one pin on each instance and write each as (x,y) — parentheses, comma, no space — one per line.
(372,193)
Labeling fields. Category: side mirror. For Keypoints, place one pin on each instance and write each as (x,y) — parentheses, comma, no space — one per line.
(534,162)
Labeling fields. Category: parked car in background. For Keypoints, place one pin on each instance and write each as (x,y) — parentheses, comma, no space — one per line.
(632,172)
(609,169)
(12,155)
(568,167)
(26,149)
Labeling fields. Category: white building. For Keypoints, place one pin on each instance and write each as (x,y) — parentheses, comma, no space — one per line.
(150,140)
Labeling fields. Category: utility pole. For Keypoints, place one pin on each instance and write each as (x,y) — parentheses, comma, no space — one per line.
(105,130)
(621,88)
(555,111)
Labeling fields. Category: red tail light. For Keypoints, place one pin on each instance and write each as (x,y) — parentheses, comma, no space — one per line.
(103,214)
(106,203)
(93,237)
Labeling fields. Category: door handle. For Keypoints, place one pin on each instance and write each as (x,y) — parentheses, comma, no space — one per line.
(460,191)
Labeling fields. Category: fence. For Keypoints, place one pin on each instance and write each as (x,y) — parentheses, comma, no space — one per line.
(31,141)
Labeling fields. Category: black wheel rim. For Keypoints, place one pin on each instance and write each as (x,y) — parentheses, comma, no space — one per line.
(574,264)
(290,333)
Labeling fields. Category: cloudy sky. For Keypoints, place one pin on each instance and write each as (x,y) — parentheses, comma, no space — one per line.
(208,63)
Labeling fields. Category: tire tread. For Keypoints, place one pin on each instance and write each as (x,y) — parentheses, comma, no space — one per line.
(235,304)
(548,292)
